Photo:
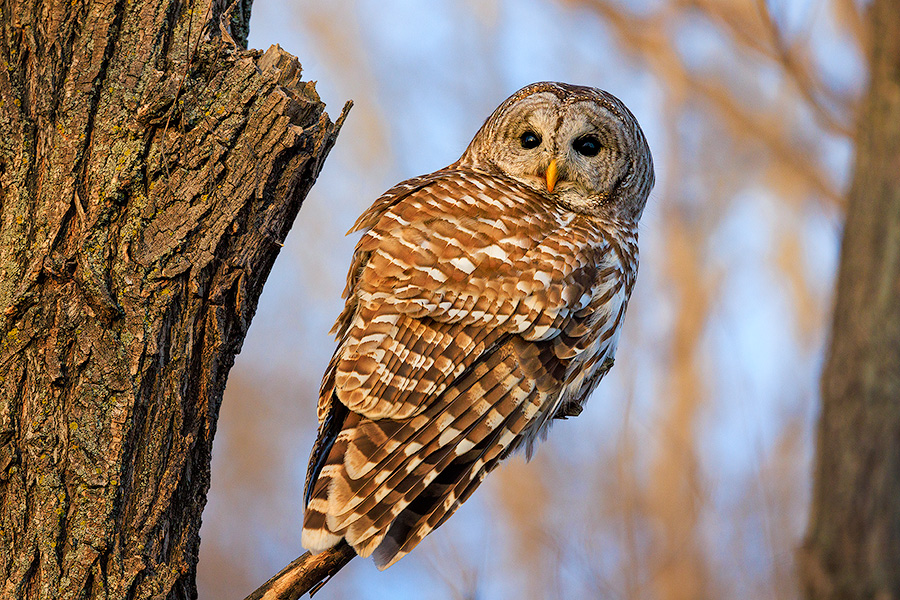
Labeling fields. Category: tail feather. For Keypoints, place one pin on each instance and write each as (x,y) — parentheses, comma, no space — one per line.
(383,485)
(451,488)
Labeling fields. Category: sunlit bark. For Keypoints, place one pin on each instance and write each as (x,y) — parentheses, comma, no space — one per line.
(149,169)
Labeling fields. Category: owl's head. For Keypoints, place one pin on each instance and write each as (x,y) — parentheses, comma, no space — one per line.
(579,145)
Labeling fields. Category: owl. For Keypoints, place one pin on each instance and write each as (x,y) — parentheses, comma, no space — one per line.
(483,301)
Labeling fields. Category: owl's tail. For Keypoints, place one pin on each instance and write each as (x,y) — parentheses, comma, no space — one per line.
(398,511)
(384,485)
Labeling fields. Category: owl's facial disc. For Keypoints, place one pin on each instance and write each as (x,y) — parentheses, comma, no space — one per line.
(579,146)
(562,146)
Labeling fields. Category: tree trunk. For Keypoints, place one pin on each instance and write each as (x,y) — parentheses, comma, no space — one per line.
(852,549)
(149,169)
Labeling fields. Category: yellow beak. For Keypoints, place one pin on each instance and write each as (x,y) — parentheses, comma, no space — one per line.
(551,175)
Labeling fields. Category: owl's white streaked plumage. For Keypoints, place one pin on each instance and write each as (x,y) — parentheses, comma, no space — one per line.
(483,300)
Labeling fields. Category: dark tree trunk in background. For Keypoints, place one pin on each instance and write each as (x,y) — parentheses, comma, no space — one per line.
(852,548)
(149,169)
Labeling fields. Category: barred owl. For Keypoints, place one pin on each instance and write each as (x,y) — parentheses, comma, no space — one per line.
(484,300)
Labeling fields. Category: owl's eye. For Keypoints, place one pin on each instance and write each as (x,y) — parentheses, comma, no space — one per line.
(530,140)
(587,145)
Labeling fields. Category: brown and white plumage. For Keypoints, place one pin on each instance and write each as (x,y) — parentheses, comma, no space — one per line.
(483,300)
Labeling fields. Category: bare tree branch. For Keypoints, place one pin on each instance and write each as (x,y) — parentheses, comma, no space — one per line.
(646,36)
(807,85)
(308,573)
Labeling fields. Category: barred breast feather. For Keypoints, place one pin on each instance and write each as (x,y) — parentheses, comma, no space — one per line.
(476,311)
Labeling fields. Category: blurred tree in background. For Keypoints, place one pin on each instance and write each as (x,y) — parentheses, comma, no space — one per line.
(852,548)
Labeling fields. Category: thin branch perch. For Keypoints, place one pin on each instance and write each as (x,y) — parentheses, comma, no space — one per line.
(305,574)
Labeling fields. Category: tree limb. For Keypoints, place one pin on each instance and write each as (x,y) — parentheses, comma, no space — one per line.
(308,573)
(149,171)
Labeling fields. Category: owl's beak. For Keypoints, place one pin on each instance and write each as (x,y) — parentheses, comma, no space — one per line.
(551,174)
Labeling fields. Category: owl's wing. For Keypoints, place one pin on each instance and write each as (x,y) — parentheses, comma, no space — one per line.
(469,301)
(461,249)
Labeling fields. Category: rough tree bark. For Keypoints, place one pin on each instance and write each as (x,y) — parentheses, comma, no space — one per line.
(149,169)
(852,549)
